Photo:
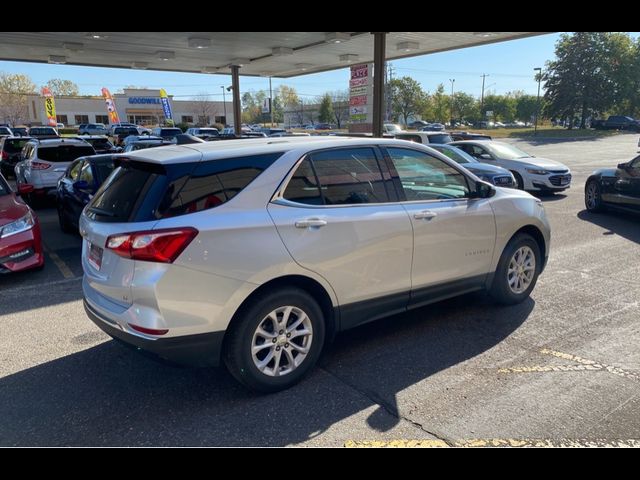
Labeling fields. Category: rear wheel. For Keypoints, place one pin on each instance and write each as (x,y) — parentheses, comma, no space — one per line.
(593,197)
(276,341)
(65,226)
(517,271)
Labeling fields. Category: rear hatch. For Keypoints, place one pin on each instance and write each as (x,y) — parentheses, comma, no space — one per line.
(58,159)
(130,200)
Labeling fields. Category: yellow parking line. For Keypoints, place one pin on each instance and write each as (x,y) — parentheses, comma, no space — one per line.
(496,442)
(63,267)
(583,365)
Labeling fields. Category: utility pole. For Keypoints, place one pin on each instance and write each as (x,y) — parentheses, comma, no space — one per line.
(452,80)
(539,75)
(484,75)
(271,101)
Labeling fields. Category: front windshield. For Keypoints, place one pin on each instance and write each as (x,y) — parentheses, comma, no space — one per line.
(391,127)
(455,154)
(506,151)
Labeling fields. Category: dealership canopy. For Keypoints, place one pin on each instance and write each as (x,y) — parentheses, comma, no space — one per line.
(276,54)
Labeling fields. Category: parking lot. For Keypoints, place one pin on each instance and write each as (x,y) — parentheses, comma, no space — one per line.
(561,367)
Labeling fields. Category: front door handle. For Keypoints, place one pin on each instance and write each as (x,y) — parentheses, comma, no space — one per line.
(310,222)
(425,215)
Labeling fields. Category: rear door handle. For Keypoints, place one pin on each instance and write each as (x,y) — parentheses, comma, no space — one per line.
(310,222)
(425,215)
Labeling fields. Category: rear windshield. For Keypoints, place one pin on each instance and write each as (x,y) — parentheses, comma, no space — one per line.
(167,132)
(103,168)
(99,142)
(42,131)
(64,153)
(141,191)
(440,138)
(14,146)
(125,130)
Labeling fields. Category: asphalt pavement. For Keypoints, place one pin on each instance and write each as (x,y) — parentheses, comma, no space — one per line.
(561,368)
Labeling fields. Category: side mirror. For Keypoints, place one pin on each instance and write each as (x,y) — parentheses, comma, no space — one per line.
(623,166)
(485,156)
(484,190)
(25,189)
(81,185)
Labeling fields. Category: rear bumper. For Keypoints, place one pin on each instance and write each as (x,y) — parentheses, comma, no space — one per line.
(193,350)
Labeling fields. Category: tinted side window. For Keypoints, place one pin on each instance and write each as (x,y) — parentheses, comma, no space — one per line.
(349,176)
(86,174)
(303,186)
(214,183)
(425,177)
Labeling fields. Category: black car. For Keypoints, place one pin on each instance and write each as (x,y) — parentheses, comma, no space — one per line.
(489,173)
(100,144)
(10,151)
(78,185)
(616,188)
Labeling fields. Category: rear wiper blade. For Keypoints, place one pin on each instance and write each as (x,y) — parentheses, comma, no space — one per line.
(100,211)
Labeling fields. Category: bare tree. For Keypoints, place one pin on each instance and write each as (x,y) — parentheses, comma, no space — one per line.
(14,90)
(340,101)
(203,109)
(60,87)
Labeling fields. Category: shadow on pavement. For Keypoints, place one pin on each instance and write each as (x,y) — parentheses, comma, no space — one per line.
(549,197)
(626,225)
(109,395)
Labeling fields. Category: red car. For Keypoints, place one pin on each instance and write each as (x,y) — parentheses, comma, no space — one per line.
(20,242)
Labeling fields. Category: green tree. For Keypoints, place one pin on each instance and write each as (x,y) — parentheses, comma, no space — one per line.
(407,96)
(14,89)
(61,87)
(526,106)
(325,112)
(438,105)
(465,106)
(587,76)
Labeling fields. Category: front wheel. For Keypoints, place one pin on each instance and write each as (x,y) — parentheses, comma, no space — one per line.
(519,180)
(276,340)
(517,271)
(593,197)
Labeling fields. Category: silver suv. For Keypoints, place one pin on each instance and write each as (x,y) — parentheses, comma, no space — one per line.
(257,252)
(45,161)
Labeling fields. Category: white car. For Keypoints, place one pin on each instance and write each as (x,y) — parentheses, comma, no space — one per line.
(531,173)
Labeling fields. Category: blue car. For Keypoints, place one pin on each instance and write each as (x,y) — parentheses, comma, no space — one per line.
(498,176)
(77,186)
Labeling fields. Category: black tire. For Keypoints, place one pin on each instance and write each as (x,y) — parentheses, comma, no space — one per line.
(500,289)
(519,181)
(595,205)
(65,226)
(238,344)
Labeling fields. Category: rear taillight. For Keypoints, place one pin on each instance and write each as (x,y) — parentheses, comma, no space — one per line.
(39,165)
(149,331)
(5,155)
(153,245)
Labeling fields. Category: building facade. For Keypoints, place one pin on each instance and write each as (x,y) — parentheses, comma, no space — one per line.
(139,106)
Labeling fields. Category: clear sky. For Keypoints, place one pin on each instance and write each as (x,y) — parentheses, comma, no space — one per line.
(509,66)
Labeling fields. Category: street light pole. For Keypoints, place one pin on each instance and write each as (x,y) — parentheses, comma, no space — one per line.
(535,127)
(224,104)
(452,80)
(484,75)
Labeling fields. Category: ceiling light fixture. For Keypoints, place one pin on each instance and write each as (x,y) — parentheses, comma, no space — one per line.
(407,46)
(280,51)
(60,59)
(199,42)
(303,66)
(485,34)
(166,55)
(73,47)
(209,69)
(349,57)
(140,65)
(337,37)
(96,36)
